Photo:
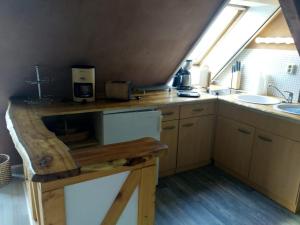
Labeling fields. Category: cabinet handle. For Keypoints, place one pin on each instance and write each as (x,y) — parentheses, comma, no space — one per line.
(265,138)
(198,110)
(167,113)
(169,128)
(244,131)
(188,125)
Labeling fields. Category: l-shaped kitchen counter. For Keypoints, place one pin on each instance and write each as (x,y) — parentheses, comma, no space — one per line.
(26,121)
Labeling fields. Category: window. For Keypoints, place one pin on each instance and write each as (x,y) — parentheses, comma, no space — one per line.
(223,21)
(229,33)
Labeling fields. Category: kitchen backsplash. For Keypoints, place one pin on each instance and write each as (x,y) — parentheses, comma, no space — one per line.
(270,63)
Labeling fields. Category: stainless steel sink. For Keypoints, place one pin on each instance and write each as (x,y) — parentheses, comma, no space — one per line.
(288,108)
(258,99)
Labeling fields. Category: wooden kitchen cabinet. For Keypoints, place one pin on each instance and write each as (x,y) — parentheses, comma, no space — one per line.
(233,146)
(275,168)
(195,142)
(169,135)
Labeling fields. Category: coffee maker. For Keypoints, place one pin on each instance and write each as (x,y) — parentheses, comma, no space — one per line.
(182,79)
(83,80)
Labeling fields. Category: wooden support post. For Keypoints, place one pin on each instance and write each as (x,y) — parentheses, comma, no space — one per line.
(35,200)
(126,191)
(30,194)
(147,196)
(51,207)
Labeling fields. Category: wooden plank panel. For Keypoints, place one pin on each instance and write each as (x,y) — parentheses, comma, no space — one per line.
(125,150)
(93,174)
(119,204)
(147,196)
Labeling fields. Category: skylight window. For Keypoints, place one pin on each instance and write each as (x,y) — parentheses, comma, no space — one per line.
(214,32)
(229,33)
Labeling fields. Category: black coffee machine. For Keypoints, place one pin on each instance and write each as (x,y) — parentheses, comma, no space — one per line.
(182,79)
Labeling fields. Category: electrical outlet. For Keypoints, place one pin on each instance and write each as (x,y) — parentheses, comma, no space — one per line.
(292,69)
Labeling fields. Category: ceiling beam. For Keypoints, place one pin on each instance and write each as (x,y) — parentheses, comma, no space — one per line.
(291,12)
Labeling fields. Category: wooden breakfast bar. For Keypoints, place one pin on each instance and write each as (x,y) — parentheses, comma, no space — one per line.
(113,184)
(117,173)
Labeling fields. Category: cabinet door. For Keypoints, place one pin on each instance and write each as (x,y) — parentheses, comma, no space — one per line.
(169,135)
(275,167)
(195,141)
(233,146)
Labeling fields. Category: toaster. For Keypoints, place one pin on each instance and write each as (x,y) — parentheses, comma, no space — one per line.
(118,90)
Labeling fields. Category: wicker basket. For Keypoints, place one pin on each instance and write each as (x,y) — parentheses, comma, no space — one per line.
(5,169)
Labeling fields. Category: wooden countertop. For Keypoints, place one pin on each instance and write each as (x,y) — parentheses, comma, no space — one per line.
(45,155)
(150,99)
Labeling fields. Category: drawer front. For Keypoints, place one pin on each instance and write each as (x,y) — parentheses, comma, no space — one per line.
(198,109)
(170,113)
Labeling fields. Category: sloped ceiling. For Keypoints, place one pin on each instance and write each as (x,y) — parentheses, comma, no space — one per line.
(291,12)
(139,40)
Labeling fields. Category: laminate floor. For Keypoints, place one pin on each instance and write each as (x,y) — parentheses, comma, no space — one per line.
(207,196)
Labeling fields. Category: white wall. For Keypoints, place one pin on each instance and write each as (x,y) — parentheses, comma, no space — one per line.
(269,62)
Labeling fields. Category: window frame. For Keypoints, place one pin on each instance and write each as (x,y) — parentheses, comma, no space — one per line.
(234,20)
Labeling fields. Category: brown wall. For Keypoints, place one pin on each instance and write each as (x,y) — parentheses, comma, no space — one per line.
(138,40)
(276,28)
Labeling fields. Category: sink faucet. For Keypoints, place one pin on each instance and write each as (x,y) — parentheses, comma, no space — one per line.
(288,99)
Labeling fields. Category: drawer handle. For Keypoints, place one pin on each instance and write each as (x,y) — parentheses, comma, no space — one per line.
(198,110)
(244,131)
(169,128)
(167,113)
(188,125)
(264,139)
